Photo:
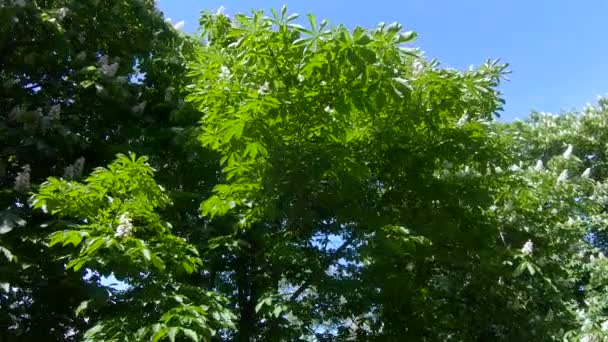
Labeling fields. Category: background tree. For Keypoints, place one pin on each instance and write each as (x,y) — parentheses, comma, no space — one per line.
(81,81)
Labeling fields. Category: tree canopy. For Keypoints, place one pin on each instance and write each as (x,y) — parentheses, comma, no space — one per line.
(277,178)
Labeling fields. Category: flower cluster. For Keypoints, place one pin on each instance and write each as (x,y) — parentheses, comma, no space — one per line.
(108,69)
(74,171)
(22,181)
(528,248)
(125,227)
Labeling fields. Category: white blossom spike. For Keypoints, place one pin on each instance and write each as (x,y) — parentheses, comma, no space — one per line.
(55,112)
(539,165)
(528,248)
(179,25)
(264,88)
(562,176)
(125,227)
(62,13)
(225,73)
(568,152)
(586,173)
(463,120)
(514,168)
(22,181)
(109,69)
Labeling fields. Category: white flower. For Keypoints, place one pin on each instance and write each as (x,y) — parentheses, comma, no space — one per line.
(109,69)
(22,181)
(138,109)
(74,171)
(539,166)
(328,109)
(514,168)
(528,248)
(125,227)
(62,13)
(464,119)
(55,112)
(562,176)
(220,11)
(580,313)
(604,326)
(300,78)
(225,73)
(586,173)
(568,152)
(79,166)
(104,60)
(169,93)
(323,83)
(417,67)
(585,338)
(264,88)
(179,25)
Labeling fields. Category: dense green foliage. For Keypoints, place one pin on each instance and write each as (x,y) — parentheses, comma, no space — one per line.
(277,178)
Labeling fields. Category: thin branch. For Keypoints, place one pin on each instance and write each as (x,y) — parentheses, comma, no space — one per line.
(333,258)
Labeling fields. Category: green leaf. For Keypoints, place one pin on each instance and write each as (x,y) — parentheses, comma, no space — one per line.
(7,254)
(158,262)
(5,227)
(191,334)
(187,267)
(406,37)
(146,254)
(93,245)
(82,307)
(172,333)
(159,334)
(276,312)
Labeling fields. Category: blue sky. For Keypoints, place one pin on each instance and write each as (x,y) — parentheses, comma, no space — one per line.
(556,49)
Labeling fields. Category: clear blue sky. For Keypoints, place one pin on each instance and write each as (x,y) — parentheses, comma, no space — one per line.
(557,49)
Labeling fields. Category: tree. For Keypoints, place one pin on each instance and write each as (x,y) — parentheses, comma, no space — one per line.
(300,183)
(332,136)
(81,81)
(581,137)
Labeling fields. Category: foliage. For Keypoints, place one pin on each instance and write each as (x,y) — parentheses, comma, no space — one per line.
(81,81)
(322,183)
(112,220)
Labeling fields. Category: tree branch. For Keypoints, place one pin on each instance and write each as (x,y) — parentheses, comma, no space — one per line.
(333,258)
